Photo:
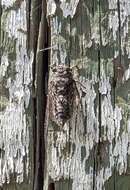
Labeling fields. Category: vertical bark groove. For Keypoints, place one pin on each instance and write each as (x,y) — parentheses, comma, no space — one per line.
(41,98)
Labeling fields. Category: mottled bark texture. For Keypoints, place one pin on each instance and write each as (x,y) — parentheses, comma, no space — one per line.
(23,87)
(16,150)
(91,151)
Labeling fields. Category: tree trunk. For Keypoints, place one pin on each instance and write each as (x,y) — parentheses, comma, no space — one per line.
(91,150)
(16,132)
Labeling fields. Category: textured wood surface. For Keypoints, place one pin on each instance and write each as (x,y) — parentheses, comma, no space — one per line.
(16,154)
(92,149)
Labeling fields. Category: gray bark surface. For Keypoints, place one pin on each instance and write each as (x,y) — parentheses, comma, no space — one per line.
(92,149)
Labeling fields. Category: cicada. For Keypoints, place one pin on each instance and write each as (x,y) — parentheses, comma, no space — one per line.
(62,94)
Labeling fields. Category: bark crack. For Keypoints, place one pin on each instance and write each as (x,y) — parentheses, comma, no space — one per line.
(40,73)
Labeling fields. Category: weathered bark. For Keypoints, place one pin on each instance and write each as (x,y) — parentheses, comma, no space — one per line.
(92,149)
(16,150)
(24,71)
(40,91)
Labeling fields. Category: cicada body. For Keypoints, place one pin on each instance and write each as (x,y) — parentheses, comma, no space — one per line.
(62,89)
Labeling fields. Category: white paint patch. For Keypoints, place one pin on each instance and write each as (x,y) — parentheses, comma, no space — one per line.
(111,123)
(74,31)
(14,123)
(114,23)
(71,167)
(58,42)
(51,7)
(104,86)
(102,177)
(69,8)
(127,74)
(108,119)
(125,10)
(17,19)
(112,4)
(113,130)
(124,14)
(14,142)
(95,28)
(4,65)
(88,110)
(60,46)
(7,3)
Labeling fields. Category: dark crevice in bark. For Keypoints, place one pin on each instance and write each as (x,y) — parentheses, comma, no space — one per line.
(51,186)
(114,99)
(36,17)
(93,7)
(99,74)
(99,113)
(40,75)
(97,161)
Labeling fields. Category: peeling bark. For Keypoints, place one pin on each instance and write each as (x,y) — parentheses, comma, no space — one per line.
(93,146)
(15,82)
(92,150)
